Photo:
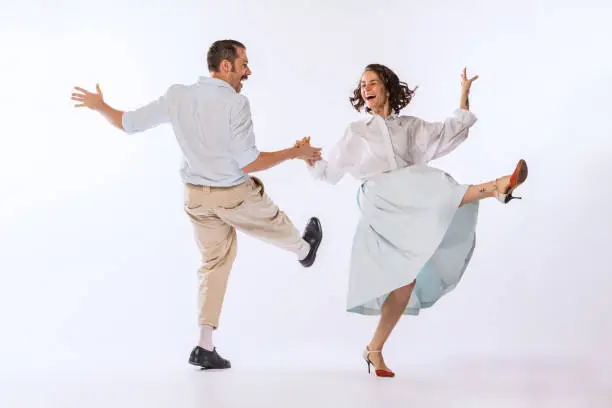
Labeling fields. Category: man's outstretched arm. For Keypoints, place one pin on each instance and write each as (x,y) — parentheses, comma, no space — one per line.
(138,120)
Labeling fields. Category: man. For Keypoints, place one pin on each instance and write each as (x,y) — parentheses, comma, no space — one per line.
(213,125)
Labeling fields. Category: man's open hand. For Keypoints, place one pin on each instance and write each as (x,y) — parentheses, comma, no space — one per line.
(88,99)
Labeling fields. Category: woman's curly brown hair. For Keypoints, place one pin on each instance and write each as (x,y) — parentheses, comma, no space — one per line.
(399,93)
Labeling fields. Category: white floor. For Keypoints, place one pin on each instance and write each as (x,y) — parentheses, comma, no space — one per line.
(467,384)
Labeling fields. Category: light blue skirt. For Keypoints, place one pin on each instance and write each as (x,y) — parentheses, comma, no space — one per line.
(411,227)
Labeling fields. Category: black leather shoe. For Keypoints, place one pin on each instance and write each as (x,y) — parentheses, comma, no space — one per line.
(208,360)
(313,234)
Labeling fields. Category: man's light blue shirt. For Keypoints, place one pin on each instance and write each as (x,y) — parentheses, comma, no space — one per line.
(213,126)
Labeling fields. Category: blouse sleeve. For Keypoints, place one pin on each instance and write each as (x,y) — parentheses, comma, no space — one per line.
(436,139)
(344,158)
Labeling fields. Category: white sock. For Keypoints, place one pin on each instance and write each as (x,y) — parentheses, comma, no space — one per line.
(304,251)
(206,337)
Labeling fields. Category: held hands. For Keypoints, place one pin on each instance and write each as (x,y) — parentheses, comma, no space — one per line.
(88,99)
(306,152)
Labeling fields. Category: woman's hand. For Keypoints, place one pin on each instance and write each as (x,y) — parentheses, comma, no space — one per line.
(466,84)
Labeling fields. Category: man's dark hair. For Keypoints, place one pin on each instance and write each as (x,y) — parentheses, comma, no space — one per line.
(222,50)
(399,93)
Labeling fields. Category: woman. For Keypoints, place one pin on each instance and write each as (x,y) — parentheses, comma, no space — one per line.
(416,234)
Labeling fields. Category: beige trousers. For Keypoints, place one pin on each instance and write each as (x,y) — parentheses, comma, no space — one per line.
(216,213)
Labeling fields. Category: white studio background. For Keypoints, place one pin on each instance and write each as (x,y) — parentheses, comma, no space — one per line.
(97,261)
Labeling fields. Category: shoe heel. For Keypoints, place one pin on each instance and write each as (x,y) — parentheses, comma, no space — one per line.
(366,358)
(510,197)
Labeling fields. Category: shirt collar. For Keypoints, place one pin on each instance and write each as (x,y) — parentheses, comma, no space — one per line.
(392,116)
(214,81)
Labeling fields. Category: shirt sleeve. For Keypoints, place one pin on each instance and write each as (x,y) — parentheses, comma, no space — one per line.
(436,139)
(243,135)
(343,158)
(146,117)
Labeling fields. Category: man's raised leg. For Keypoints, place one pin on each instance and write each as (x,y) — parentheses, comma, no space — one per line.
(260,217)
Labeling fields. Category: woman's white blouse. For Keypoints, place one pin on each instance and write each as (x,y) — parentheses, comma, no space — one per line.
(378,145)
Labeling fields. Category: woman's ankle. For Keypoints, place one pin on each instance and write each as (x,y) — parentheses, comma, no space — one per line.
(373,346)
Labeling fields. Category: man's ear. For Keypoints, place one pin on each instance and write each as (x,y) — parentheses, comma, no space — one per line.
(226,66)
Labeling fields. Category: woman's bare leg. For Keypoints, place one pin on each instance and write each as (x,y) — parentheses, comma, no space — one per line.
(501,185)
(485,190)
(391,311)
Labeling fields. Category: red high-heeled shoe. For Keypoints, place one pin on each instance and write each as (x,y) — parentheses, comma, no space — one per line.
(516,179)
(379,373)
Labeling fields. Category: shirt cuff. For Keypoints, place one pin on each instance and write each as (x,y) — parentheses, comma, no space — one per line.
(247,157)
(127,122)
(465,116)
(318,170)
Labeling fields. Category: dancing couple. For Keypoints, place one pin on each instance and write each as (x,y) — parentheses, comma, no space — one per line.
(416,234)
